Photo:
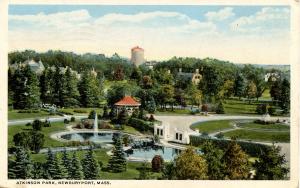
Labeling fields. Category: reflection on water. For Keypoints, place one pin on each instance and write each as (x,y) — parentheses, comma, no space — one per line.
(93,137)
(149,152)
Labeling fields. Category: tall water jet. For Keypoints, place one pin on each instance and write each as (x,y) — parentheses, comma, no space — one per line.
(96,125)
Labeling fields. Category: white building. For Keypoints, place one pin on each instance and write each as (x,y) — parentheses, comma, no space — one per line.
(36,67)
(137,56)
(168,133)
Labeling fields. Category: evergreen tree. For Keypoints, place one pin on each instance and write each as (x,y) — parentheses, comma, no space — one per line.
(144,172)
(66,162)
(151,107)
(123,117)
(23,168)
(58,87)
(47,86)
(72,93)
(89,89)
(38,170)
(105,112)
(54,167)
(239,86)
(213,157)
(284,98)
(236,162)
(271,165)
(117,162)
(90,166)
(11,168)
(220,108)
(275,91)
(26,89)
(157,163)
(75,168)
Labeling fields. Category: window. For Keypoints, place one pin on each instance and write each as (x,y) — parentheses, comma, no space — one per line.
(176,136)
(157,131)
(180,136)
(161,132)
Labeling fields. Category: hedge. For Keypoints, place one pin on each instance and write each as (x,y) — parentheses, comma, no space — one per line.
(253,149)
(140,125)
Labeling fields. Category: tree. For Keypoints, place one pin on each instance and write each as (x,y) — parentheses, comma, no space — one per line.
(90,90)
(91,168)
(275,91)
(118,73)
(92,114)
(239,85)
(38,170)
(66,162)
(151,106)
(284,98)
(105,112)
(22,168)
(37,125)
(47,89)
(144,172)
(26,89)
(261,109)
(54,166)
(211,81)
(59,87)
(75,171)
(220,108)
(147,82)
(37,141)
(157,163)
(190,165)
(72,93)
(136,74)
(195,95)
(117,162)
(271,165)
(251,90)
(213,157)
(227,90)
(123,117)
(236,162)
(166,94)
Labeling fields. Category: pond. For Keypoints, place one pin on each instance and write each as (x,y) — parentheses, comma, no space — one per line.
(148,153)
(100,137)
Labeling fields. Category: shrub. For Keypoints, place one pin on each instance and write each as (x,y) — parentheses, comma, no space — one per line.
(271,110)
(37,125)
(72,119)
(92,114)
(157,163)
(220,109)
(32,140)
(104,125)
(151,118)
(140,125)
(253,149)
(66,121)
(261,109)
(204,108)
(220,135)
(88,123)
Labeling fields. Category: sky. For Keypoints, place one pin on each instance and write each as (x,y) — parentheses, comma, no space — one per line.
(240,34)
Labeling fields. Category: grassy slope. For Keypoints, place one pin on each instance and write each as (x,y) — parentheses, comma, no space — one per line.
(260,126)
(213,126)
(259,135)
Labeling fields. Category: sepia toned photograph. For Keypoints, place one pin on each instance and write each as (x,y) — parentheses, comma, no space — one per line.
(148,92)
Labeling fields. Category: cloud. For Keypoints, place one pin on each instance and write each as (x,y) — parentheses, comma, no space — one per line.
(266,21)
(221,15)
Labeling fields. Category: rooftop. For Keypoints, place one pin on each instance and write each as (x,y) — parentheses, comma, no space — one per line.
(137,48)
(127,101)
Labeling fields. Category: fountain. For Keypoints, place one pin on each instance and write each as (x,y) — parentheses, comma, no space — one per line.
(96,125)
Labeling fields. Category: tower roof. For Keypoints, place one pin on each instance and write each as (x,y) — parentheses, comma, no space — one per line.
(137,48)
(127,101)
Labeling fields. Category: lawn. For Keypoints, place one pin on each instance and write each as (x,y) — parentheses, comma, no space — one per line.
(239,107)
(254,135)
(49,142)
(13,114)
(131,130)
(252,125)
(266,95)
(132,167)
(81,111)
(213,126)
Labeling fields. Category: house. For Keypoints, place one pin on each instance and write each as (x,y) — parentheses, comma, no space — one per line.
(195,77)
(272,76)
(128,103)
(36,67)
